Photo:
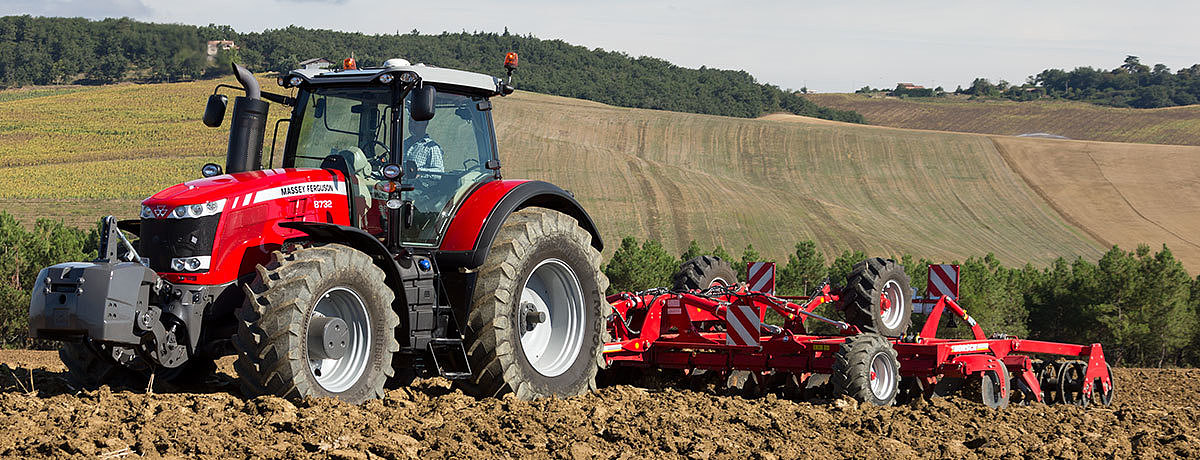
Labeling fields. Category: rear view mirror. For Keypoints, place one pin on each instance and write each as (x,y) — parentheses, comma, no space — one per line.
(422,103)
(214,111)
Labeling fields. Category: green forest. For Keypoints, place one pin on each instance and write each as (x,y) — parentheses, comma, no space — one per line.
(1131,84)
(52,51)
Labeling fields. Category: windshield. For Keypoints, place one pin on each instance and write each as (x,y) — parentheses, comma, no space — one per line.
(335,120)
(443,158)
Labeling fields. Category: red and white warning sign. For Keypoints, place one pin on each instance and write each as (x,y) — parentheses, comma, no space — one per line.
(762,277)
(743,325)
(943,281)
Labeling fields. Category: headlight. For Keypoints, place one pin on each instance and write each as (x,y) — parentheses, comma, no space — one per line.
(192,211)
(191,264)
(386,78)
(147,213)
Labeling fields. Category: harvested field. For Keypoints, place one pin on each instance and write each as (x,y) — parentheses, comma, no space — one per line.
(1154,416)
(1076,120)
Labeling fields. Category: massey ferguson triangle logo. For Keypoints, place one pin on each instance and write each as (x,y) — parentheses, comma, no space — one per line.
(160,211)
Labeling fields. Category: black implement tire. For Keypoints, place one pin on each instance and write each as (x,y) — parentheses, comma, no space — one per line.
(867,284)
(866,368)
(704,272)
(541,260)
(990,388)
(89,366)
(292,290)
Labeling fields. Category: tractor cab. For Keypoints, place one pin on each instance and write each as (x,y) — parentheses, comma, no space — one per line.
(432,125)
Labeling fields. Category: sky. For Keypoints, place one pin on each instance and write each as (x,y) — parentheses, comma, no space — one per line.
(828,46)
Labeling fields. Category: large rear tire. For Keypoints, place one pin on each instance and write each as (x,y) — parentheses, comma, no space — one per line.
(300,303)
(536,325)
(704,272)
(866,368)
(876,297)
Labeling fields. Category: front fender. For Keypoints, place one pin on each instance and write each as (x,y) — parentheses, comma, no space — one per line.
(470,234)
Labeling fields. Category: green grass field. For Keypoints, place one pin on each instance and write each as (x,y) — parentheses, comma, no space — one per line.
(1076,120)
(651,174)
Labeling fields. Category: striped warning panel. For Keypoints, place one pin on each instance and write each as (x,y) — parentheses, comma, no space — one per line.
(762,277)
(943,281)
(743,325)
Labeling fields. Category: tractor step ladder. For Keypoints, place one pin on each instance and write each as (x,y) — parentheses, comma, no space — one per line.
(450,358)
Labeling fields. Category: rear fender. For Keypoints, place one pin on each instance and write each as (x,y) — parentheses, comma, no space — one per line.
(469,236)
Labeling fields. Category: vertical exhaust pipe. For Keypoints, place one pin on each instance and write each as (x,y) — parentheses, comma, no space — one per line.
(248,127)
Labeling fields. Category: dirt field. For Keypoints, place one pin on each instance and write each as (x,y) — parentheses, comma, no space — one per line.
(1154,416)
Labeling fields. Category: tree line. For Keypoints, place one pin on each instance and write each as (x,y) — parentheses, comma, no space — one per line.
(1141,305)
(1131,84)
(46,51)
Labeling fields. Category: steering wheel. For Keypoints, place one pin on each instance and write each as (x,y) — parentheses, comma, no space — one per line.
(380,158)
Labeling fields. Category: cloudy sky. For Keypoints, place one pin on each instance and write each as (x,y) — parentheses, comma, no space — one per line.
(826,46)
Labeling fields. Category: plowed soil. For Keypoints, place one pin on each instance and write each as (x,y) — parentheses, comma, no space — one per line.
(1154,416)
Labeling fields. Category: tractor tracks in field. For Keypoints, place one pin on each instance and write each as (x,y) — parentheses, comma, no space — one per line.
(1012,165)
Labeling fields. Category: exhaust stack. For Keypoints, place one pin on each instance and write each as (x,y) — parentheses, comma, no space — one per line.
(248,126)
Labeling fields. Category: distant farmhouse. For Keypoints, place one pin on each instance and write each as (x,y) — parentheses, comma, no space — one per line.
(216,46)
(316,64)
(911,90)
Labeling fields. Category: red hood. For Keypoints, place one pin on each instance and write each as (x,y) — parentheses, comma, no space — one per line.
(232,185)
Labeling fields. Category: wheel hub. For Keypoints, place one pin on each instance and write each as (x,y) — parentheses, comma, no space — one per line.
(338,339)
(552,310)
(892,304)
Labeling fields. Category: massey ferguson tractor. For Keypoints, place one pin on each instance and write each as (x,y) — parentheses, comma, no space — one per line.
(388,247)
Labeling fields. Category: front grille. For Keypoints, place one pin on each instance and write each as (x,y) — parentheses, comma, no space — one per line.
(164,239)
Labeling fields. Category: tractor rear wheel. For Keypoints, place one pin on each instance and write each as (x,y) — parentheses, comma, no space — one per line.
(876,298)
(866,368)
(318,321)
(704,272)
(536,324)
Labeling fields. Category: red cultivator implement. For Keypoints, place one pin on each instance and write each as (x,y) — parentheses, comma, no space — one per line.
(722,329)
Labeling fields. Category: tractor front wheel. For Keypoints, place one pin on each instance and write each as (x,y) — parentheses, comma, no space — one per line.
(318,321)
(704,272)
(536,324)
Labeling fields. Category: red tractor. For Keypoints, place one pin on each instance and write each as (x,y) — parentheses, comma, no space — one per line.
(386,247)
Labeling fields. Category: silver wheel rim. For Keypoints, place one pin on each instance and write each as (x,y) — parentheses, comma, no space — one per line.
(894,315)
(718,281)
(883,377)
(552,346)
(338,375)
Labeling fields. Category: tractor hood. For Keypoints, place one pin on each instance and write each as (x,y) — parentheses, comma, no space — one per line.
(245,188)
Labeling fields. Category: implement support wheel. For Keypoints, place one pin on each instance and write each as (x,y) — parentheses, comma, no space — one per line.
(866,368)
(704,272)
(876,297)
(990,388)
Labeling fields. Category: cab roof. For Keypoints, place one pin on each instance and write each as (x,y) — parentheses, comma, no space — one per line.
(469,81)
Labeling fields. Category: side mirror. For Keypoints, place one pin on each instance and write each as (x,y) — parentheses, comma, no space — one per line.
(214,111)
(422,103)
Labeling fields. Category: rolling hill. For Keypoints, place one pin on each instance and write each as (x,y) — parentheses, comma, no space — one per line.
(1076,120)
(666,175)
